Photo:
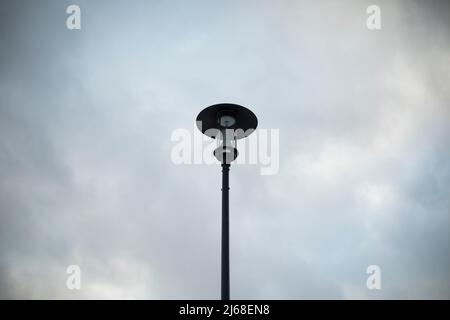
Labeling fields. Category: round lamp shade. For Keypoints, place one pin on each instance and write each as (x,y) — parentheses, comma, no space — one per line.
(226,116)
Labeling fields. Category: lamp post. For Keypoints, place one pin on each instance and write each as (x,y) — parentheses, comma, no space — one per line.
(226,123)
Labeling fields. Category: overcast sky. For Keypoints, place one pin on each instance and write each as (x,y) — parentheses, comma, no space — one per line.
(87,179)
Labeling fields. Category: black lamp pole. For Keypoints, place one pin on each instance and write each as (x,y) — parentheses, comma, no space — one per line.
(227,122)
(225,233)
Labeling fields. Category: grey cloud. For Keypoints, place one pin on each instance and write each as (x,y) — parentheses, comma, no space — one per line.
(86,176)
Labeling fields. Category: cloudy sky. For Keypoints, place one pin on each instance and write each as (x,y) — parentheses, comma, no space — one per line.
(87,177)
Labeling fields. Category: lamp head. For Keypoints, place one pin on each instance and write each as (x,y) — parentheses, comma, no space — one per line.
(227,123)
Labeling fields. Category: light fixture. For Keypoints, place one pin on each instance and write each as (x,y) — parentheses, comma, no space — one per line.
(227,123)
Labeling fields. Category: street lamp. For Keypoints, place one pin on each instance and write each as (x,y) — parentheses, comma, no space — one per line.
(226,122)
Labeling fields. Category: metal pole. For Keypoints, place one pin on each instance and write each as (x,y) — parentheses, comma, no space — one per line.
(225,234)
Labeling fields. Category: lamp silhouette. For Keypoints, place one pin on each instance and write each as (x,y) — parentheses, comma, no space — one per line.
(227,123)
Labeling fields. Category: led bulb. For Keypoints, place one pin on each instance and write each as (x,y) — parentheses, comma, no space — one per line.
(227,121)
